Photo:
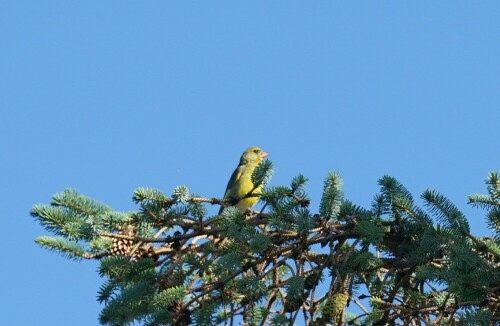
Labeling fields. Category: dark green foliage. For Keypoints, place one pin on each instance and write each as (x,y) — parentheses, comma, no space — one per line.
(303,220)
(391,189)
(141,270)
(107,291)
(379,205)
(490,202)
(262,174)
(473,317)
(493,185)
(427,272)
(331,199)
(148,195)
(205,315)
(369,232)
(295,286)
(63,222)
(446,213)
(100,245)
(172,263)
(298,183)
(113,266)
(363,260)
(260,243)
(68,248)
(132,303)
(348,209)
(251,288)
(227,263)
(168,297)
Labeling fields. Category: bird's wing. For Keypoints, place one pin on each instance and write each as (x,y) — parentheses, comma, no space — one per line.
(232,182)
(231,185)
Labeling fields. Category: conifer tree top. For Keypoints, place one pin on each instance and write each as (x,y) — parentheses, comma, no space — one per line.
(172,263)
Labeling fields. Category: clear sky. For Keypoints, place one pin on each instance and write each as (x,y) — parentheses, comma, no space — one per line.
(108,96)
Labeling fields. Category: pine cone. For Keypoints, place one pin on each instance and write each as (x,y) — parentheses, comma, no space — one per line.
(311,281)
(123,247)
(175,279)
(335,305)
(293,303)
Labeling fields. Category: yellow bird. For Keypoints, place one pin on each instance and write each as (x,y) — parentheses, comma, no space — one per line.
(240,183)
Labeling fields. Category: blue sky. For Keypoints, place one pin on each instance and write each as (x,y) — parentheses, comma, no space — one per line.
(108,96)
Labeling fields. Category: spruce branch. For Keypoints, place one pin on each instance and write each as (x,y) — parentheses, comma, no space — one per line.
(67,248)
(332,196)
(446,212)
(172,263)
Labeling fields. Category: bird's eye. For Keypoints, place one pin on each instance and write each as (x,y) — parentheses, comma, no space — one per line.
(256,151)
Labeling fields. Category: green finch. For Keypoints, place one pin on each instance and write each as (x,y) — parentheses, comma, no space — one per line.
(241,183)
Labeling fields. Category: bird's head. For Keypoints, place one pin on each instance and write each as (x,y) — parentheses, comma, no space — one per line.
(253,155)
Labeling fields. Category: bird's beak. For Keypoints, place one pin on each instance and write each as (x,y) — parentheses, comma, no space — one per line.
(263,154)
